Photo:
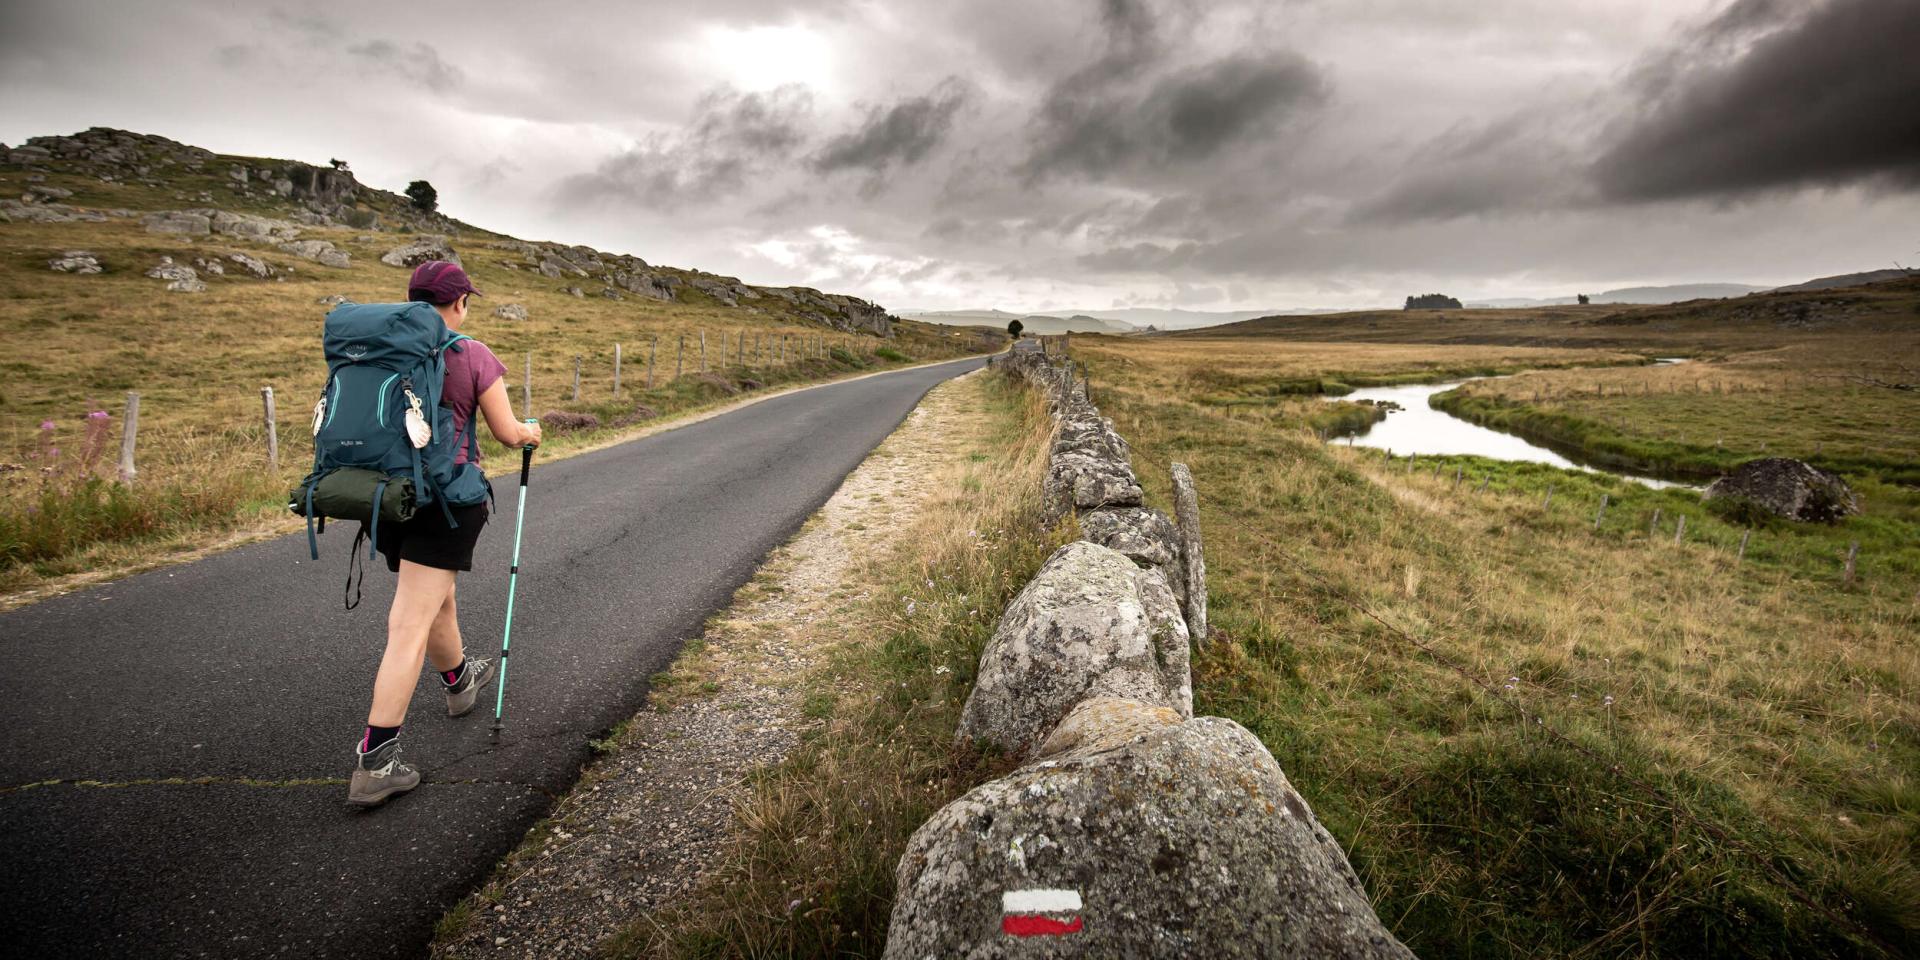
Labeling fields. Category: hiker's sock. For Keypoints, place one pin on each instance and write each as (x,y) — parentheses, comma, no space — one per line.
(453,677)
(377,737)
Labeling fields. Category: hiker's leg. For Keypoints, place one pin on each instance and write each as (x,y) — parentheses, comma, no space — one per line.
(417,599)
(444,648)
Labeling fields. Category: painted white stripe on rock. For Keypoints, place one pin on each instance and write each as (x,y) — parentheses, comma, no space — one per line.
(1040,901)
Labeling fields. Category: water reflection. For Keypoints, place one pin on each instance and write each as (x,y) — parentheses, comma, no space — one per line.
(1419,428)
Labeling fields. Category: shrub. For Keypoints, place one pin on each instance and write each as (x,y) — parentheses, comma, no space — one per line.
(567,421)
(890,354)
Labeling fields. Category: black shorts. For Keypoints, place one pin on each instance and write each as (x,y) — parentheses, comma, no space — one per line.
(427,540)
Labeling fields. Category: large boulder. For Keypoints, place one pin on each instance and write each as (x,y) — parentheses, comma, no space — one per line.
(1787,488)
(420,250)
(510,311)
(182,222)
(1090,623)
(1147,837)
(249,226)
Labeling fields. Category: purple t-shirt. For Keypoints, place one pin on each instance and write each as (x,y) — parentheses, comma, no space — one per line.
(470,371)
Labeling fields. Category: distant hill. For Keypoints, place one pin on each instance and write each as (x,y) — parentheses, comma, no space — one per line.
(1032,323)
(1852,279)
(1676,293)
(1123,320)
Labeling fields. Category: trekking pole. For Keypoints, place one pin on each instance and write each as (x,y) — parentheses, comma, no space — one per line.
(513,580)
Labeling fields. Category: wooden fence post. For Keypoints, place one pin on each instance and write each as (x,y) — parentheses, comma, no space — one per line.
(526,386)
(1853,550)
(616,371)
(653,344)
(1186,510)
(129,427)
(1653,524)
(1547,504)
(703,350)
(1680,529)
(680,357)
(740,354)
(1597,514)
(576,378)
(273,431)
(1742,555)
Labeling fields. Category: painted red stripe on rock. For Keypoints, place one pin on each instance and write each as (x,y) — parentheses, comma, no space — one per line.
(1038,926)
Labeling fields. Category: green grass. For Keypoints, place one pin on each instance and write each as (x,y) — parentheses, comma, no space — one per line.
(1765,698)
(1699,436)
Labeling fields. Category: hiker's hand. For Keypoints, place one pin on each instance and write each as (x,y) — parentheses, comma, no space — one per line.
(530,434)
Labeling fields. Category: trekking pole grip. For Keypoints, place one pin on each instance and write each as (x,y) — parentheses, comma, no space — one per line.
(526,457)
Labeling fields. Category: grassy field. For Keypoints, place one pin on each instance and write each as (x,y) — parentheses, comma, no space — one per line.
(72,346)
(1539,737)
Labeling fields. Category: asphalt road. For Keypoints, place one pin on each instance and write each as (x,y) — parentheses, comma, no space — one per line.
(243,669)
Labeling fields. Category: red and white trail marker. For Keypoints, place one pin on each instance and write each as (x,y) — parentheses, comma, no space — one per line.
(1040,913)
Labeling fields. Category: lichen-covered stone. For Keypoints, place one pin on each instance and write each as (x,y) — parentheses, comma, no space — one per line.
(1090,623)
(1183,840)
(1145,535)
(420,250)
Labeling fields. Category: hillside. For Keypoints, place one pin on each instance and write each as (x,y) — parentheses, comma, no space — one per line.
(133,263)
(1769,318)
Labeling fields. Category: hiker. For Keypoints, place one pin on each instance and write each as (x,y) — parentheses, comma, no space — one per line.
(428,553)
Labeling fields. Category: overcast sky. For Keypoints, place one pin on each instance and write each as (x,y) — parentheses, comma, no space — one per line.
(1066,153)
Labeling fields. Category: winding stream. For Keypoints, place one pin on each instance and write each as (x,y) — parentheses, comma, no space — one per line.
(1419,428)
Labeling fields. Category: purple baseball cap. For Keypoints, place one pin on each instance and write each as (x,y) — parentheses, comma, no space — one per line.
(440,281)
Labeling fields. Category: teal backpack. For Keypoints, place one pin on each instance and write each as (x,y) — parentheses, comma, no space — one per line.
(383,441)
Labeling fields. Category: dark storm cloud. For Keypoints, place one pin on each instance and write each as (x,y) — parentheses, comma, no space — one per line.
(1825,95)
(901,134)
(732,134)
(417,62)
(1104,118)
(1519,161)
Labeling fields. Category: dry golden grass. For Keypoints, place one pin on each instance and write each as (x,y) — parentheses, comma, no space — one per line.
(70,345)
(1767,698)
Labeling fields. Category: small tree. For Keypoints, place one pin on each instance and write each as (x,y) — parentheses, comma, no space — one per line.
(1584,299)
(1014,328)
(423,195)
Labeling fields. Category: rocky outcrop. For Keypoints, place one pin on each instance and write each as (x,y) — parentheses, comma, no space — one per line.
(320,251)
(75,261)
(1090,623)
(166,269)
(185,223)
(1787,488)
(1145,836)
(253,265)
(420,250)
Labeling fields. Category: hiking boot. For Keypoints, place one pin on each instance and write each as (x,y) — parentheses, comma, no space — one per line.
(380,775)
(461,696)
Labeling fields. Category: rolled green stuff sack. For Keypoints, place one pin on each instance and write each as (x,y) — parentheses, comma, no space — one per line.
(347,494)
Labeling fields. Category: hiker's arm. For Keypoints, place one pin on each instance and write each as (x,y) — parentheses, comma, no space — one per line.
(498,410)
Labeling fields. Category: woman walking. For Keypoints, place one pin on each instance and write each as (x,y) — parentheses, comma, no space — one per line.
(428,555)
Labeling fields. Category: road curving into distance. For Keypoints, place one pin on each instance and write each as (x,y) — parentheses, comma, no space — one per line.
(185,714)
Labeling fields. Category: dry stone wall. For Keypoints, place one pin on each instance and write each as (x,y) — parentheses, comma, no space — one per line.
(1133,828)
